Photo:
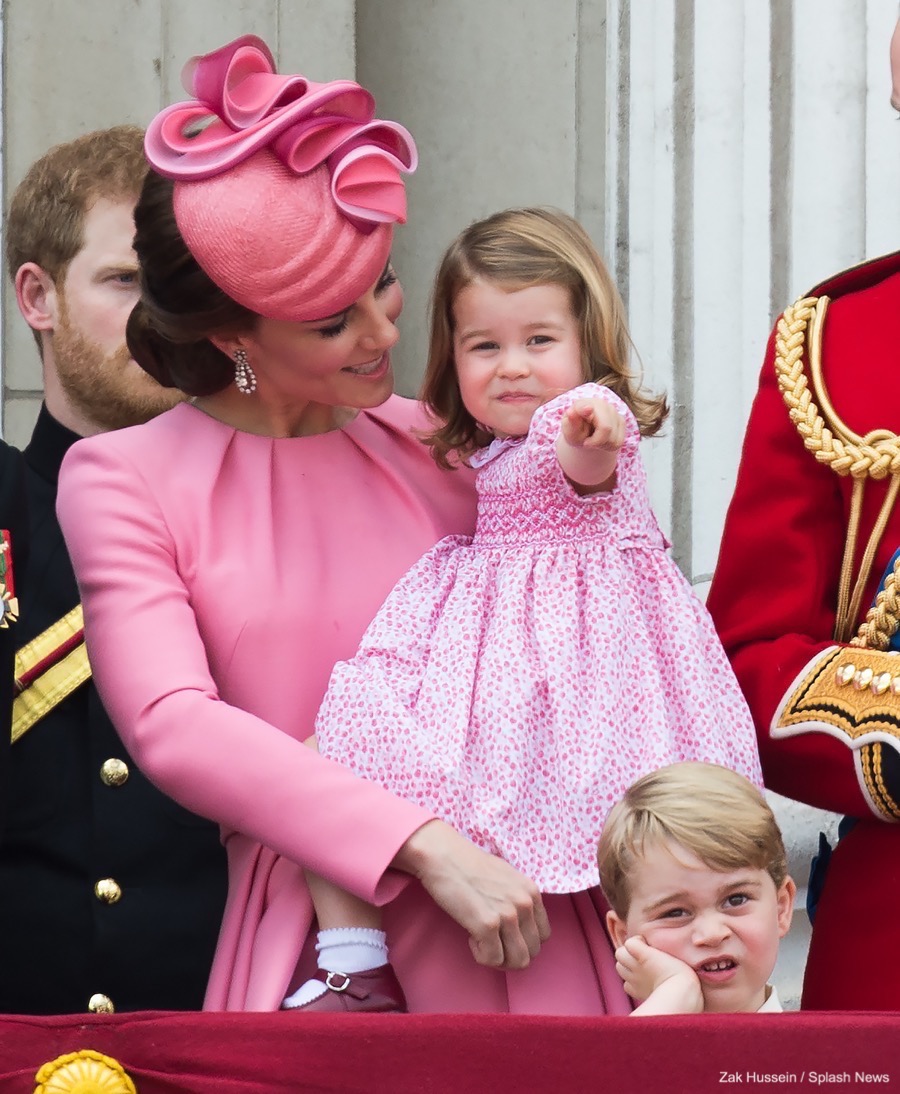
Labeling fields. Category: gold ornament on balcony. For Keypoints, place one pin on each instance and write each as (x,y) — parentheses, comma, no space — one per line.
(85,1072)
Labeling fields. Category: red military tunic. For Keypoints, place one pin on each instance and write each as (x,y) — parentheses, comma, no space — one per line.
(827,714)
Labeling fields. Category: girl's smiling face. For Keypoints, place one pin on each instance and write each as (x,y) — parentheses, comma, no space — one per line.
(514,349)
(725,925)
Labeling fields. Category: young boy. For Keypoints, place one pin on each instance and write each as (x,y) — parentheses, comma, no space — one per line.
(693,866)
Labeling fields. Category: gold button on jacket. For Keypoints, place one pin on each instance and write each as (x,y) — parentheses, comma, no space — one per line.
(101,1004)
(108,890)
(114,772)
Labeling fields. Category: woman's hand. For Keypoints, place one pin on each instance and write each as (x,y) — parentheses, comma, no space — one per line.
(500,908)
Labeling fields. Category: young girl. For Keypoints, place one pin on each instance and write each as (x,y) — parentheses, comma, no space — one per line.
(517,682)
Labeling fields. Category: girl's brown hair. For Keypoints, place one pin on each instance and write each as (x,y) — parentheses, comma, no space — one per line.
(515,249)
(180,308)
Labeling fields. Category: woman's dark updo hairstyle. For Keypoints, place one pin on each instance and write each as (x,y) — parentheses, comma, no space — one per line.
(169,328)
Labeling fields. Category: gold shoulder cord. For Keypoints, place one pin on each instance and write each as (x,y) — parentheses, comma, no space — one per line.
(874,456)
(832,442)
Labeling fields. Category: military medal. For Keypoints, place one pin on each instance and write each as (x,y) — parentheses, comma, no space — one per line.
(9,602)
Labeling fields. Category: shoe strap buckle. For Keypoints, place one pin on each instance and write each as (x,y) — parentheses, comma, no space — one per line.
(329,981)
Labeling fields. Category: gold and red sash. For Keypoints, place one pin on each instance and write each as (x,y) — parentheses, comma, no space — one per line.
(48,669)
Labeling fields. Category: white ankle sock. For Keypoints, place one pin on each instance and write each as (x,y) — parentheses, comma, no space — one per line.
(351,949)
(342,949)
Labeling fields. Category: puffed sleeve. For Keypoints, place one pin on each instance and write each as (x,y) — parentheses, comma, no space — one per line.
(774,597)
(152,672)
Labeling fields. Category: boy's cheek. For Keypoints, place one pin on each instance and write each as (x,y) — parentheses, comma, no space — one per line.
(666,941)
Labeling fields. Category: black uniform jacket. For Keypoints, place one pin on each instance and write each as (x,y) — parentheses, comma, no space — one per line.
(144,937)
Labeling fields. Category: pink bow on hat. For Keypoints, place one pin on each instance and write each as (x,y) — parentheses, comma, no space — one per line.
(242,105)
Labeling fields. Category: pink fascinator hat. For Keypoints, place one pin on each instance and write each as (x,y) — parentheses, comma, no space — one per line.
(286,191)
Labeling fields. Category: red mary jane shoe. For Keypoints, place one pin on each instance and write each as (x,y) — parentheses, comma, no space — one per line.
(376,991)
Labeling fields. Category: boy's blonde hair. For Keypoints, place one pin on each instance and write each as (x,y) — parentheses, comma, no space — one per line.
(516,249)
(710,811)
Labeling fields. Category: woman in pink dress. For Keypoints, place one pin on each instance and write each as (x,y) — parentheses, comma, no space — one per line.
(233,549)
(517,682)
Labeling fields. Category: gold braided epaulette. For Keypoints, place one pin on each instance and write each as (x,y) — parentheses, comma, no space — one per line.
(798,335)
(853,691)
(874,456)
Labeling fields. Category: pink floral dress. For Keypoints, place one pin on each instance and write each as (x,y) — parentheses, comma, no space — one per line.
(518,681)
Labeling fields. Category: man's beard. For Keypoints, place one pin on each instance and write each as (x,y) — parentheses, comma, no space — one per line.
(109,389)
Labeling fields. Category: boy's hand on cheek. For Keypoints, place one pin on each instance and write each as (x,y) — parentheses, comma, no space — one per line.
(661,983)
(643,968)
